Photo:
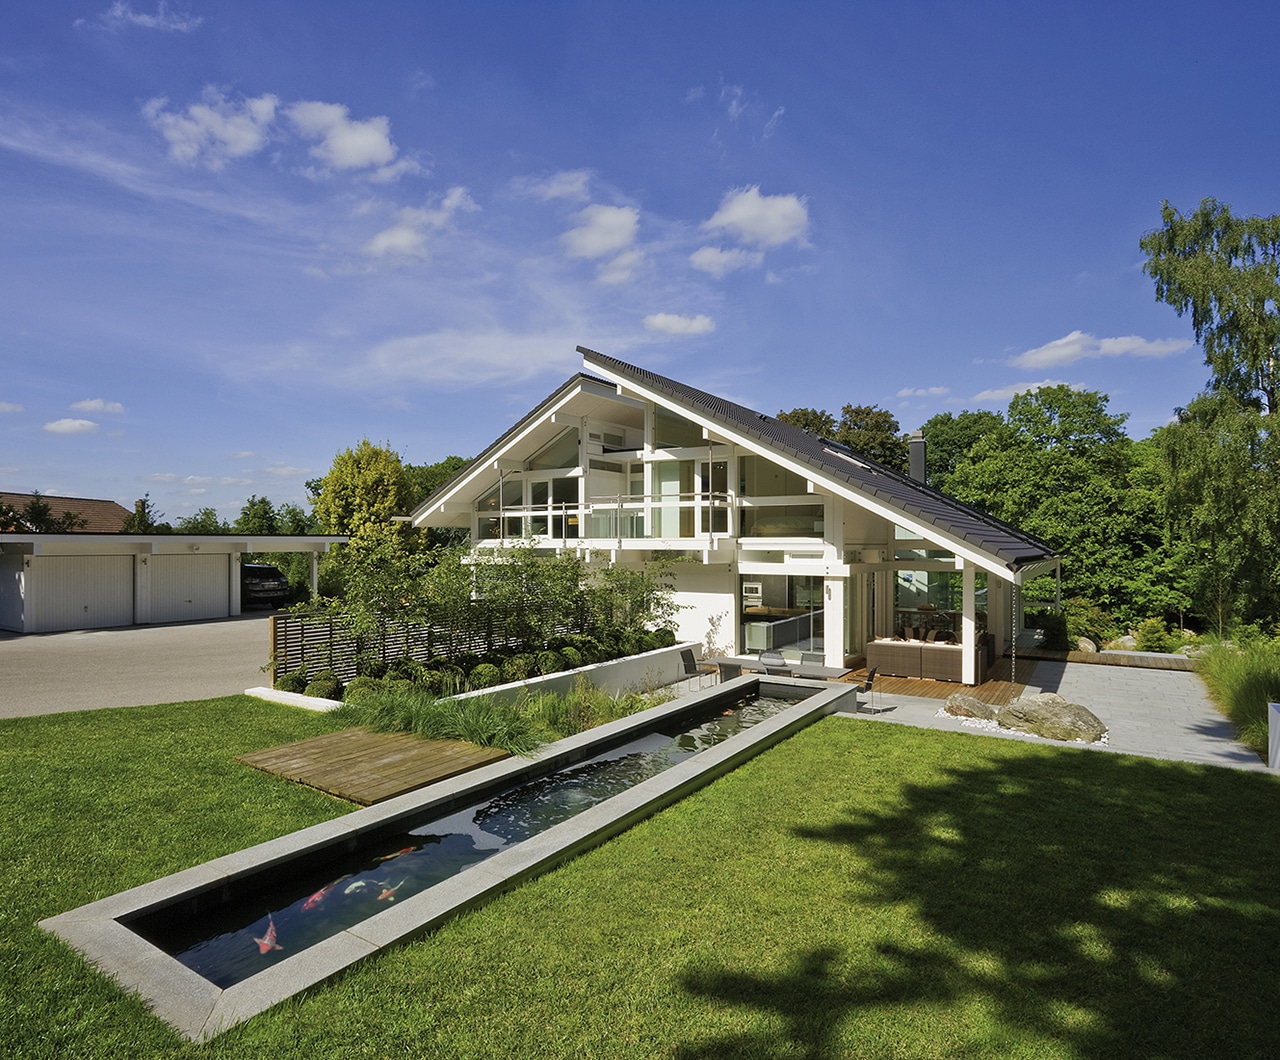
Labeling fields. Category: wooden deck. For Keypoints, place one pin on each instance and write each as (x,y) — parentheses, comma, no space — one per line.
(1146,661)
(997,690)
(367,767)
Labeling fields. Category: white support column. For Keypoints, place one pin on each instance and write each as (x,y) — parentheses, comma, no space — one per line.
(142,589)
(833,621)
(315,574)
(233,590)
(968,626)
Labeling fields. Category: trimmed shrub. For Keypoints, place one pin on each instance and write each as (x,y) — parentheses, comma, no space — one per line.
(405,668)
(518,668)
(649,641)
(571,656)
(360,688)
(431,682)
(369,665)
(1153,635)
(1053,625)
(485,675)
(325,685)
(550,662)
(293,682)
(666,637)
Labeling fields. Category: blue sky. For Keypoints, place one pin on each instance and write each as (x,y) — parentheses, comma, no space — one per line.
(239,237)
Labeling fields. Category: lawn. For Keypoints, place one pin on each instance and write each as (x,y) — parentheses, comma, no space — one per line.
(862,890)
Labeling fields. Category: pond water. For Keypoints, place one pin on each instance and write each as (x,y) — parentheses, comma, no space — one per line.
(265,924)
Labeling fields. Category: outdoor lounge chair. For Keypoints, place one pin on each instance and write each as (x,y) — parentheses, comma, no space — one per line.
(728,671)
(693,668)
(865,689)
(775,664)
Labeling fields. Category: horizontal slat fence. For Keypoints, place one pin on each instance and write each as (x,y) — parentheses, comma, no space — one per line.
(320,642)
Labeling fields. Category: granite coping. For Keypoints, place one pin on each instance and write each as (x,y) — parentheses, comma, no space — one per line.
(199,1010)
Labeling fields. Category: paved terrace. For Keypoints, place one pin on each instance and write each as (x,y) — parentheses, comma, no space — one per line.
(1156,713)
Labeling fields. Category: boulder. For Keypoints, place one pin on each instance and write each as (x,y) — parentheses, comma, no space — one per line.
(1052,717)
(1126,643)
(961,706)
(1084,644)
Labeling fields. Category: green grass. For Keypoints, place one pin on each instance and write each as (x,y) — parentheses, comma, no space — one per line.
(1242,681)
(482,721)
(862,890)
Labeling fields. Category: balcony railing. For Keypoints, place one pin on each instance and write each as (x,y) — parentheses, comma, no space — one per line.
(654,516)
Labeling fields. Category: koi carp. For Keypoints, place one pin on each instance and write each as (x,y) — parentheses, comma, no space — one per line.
(268,941)
(320,895)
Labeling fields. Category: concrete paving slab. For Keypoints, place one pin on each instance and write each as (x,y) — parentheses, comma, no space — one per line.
(1154,713)
(50,673)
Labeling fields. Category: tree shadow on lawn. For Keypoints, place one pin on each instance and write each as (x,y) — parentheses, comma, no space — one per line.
(1094,904)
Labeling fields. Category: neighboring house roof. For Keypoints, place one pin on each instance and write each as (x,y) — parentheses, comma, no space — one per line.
(101,517)
(829,460)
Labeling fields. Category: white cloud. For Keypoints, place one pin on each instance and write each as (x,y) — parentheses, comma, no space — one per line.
(1005,393)
(344,143)
(213,480)
(621,268)
(696,93)
(473,358)
(571,184)
(602,230)
(244,454)
(280,470)
(762,220)
(9,406)
(930,391)
(160,476)
(732,97)
(215,130)
(408,236)
(675,324)
(719,262)
(69,426)
(122,14)
(1079,345)
(98,405)
(771,126)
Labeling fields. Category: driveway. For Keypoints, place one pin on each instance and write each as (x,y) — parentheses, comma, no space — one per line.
(48,673)
(1153,713)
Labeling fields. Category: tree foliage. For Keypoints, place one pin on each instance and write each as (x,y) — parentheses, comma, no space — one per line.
(202,521)
(36,517)
(1225,271)
(144,519)
(364,488)
(950,438)
(866,429)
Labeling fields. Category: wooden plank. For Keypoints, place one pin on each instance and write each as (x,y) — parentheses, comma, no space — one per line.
(998,689)
(368,767)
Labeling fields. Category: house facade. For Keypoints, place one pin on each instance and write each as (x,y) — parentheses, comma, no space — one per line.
(788,541)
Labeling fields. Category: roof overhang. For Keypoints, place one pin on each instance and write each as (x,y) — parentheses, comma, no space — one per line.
(163,544)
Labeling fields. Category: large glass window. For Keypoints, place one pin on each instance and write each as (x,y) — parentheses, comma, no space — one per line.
(782,520)
(714,511)
(758,477)
(931,602)
(673,483)
(781,611)
(675,432)
(562,452)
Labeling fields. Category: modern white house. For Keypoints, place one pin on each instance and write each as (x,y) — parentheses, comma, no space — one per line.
(791,542)
(51,582)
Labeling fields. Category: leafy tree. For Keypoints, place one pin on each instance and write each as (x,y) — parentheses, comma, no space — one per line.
(816,421)
(364,488)
(258,517)
(202,521)
(36,517)
(144,519)
(949,439)
(866,429)
(1223,506)
(1059,468)
(1226,271)
(424,479)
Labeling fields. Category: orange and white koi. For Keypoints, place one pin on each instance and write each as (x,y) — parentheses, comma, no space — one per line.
(406,850)
(320,895)
(268,941)
(389,893)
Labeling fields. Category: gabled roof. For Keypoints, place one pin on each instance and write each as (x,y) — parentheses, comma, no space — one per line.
(101,517)
(825,461)
(837,462)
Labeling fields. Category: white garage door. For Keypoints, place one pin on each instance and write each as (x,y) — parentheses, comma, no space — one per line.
(186,588)
(80,592)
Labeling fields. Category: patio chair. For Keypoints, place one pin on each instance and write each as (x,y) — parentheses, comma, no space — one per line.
(693,668)
(728,671)
(774,663)
(865,689)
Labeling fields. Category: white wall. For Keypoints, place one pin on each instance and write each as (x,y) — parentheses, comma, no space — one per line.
(704,593)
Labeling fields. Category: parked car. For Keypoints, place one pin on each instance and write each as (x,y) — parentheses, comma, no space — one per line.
(262,583)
